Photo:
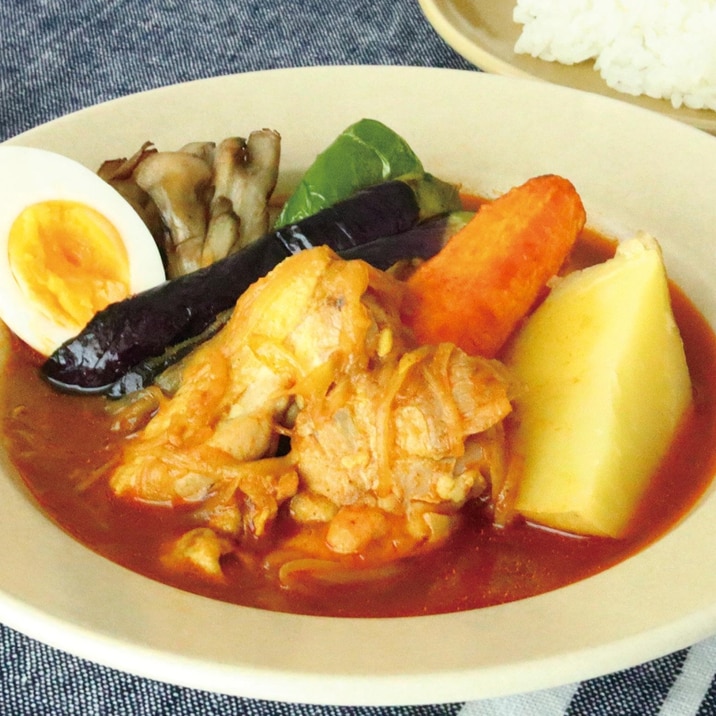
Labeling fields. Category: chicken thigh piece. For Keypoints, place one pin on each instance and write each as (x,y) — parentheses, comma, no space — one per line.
(313,317)
(388,440)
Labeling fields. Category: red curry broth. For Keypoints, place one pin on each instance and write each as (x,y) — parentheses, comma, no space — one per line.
(64,450)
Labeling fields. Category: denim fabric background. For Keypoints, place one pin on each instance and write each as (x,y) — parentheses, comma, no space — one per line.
(57,56)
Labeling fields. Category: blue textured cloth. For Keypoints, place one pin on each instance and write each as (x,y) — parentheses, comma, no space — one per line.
(57,56)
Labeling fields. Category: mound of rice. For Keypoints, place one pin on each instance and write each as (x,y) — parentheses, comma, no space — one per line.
(659,48)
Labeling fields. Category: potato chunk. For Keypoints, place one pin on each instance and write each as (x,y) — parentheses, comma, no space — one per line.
(606,385)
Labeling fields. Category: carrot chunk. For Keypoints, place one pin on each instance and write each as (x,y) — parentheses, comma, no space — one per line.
(477,289)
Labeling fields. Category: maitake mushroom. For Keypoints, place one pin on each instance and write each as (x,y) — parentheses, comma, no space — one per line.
(204,201)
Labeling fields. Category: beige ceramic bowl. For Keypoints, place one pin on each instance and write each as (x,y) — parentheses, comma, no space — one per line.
(489,133)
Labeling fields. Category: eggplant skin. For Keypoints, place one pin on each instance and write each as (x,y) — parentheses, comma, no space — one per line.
(146,324)
(421,241)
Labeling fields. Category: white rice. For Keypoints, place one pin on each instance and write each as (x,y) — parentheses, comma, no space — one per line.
(660,48)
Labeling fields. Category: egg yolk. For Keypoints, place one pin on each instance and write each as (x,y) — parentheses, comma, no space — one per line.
(69,259)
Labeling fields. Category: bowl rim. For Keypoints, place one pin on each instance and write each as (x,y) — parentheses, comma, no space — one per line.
(97,610)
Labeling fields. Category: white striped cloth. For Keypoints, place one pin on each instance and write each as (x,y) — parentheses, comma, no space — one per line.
(37,680)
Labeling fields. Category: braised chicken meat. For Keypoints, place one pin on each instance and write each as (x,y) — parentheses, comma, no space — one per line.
(387,439)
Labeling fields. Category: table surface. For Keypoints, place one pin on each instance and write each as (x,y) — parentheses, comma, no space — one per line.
(58,56)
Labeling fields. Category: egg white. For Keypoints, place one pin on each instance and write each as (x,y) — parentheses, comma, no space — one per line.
(28,176)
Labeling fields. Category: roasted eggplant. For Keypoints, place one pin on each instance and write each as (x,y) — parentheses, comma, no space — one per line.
(145,325)
(420,242)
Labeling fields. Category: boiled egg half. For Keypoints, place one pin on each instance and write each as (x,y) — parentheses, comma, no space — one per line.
(70,245)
